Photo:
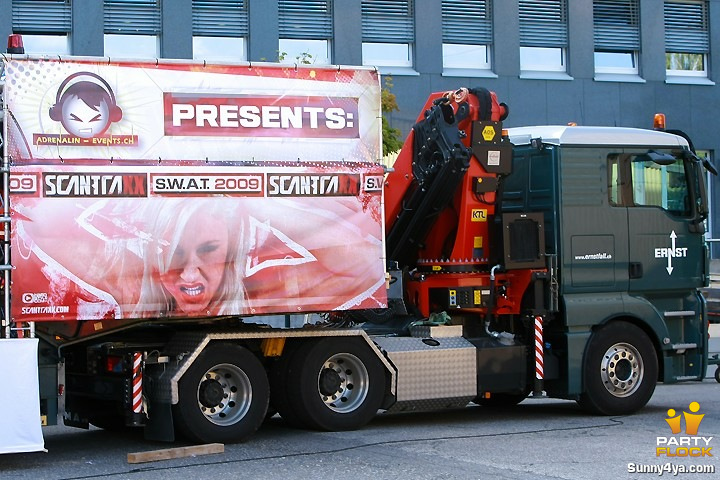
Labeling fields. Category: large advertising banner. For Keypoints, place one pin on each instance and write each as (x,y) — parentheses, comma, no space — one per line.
(166,196)
(191,112)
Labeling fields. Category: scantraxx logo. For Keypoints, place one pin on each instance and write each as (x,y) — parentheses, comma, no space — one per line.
(94,185)
(688,445)
(301,185)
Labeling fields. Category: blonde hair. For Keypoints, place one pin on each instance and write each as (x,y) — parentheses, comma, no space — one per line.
(171,215)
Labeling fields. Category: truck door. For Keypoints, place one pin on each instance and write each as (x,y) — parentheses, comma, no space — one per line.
(594,228)
(666,246)
(663,192)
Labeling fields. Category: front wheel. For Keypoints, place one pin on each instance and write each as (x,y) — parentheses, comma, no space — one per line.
(620,370)
(223,396)
(338,385)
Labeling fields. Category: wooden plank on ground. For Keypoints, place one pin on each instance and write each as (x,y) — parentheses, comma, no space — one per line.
(179,452)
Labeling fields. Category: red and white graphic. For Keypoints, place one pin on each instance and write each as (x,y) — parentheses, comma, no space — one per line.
(103,248)
(247,190)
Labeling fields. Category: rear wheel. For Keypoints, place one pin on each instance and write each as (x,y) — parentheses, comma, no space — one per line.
(339,385)
(619,370)
(223,396)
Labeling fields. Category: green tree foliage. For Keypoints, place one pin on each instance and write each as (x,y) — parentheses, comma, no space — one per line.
(304,58)
(392,141)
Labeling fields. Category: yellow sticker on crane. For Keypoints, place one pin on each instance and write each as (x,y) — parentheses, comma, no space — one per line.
(479,215)
(477,242)
(488,133)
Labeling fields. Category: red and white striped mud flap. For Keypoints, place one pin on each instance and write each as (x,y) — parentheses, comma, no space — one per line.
(539,356)
(137,383)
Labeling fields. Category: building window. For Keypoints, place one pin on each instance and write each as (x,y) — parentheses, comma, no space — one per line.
(388,33)
(44,24)
(467,34)
(543,35)
(229,49)
(132,28)
(131,46)
(687,39)
(305,28)
(542,59)
(387,54)
(220,29)
(314,52)
(46,44)
(616,62)
(466,56)
(617,36)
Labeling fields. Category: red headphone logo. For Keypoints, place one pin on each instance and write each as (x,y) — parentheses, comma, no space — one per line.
(85,105)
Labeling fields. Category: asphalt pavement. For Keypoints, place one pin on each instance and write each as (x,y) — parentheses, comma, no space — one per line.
(538,439)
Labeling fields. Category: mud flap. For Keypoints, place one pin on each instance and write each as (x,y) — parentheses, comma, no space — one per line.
(159,426)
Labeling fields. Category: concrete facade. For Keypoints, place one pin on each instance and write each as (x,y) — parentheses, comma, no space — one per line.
(579,98)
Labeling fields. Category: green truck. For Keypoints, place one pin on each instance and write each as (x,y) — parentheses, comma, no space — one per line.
(191,247)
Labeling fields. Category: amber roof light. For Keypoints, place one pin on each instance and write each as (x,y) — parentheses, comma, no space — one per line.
(659,121)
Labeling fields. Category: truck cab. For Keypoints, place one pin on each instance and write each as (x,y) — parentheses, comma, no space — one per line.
(624,213)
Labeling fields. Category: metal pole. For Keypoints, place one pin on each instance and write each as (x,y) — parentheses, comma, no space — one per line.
(6,217)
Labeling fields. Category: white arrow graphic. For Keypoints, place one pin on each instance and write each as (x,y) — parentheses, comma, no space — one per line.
(669,267)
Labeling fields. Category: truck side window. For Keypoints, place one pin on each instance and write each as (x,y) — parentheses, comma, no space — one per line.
(638,180)
(614,186)
(619,180)
(660,185)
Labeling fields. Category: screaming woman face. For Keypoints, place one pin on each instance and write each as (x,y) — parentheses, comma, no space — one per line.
(197,264)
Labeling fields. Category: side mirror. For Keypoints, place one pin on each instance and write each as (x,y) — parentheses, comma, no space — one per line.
(661,158)
(709,166)
(688,155)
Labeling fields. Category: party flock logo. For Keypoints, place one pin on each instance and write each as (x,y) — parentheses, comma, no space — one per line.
(688,445)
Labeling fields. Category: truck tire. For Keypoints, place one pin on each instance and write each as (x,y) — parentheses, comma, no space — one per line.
(336,384)
(620,370)
(279,396)
(223,396)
